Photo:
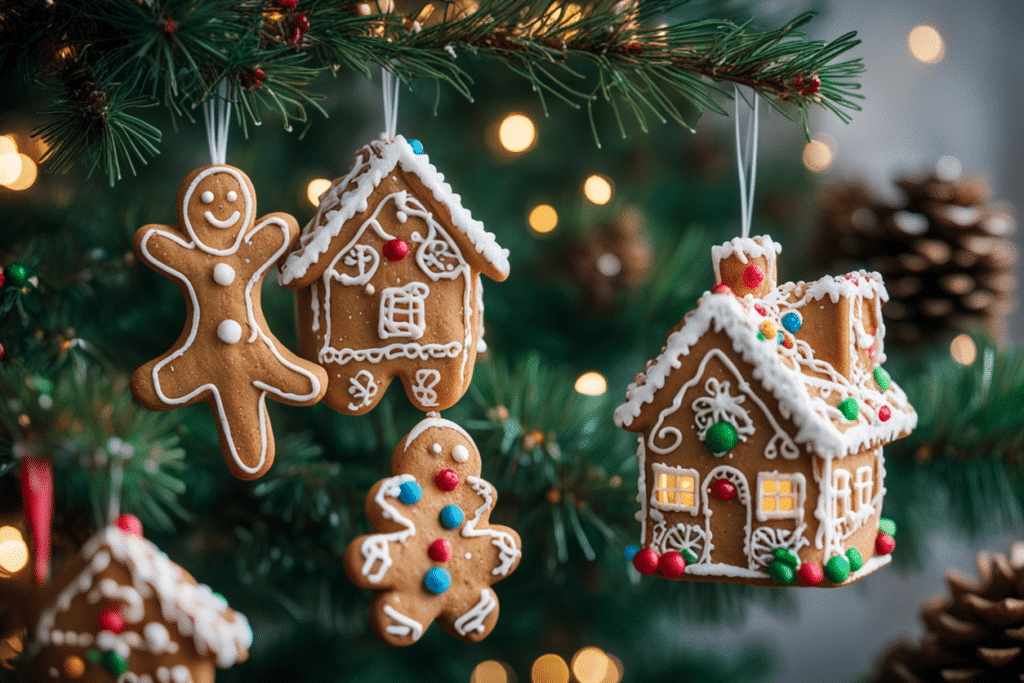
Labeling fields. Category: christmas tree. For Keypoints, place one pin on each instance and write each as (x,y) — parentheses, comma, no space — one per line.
(568,130)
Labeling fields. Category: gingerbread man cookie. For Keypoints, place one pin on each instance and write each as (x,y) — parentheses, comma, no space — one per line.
(434,556)
(226,355)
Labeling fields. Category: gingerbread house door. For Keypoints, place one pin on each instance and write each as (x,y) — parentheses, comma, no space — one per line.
(727,522)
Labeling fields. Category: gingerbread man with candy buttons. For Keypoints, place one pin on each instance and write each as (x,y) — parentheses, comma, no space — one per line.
(434,556)
(226,355)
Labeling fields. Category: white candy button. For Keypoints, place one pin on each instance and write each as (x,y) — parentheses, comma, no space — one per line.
(229,331)
(459,453)
(223,274)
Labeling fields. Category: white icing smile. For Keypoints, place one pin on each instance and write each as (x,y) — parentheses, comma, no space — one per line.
(226,223)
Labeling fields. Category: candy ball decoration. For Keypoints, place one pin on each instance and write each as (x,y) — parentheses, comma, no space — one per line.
(451,516)
(837,569)
(882,378)
(17,275)
(753,276)
(810,574)
(396,249)
(723,489)
(437,580)
(887,526)
(630,551)
(884,544)
(671,564)
(884,413)
(720,437)
(792,322)
(73,667)
(849,408)
(447,480)
(440,550)
(417,146)
(781,572)
(646,561)
(112,620)
(855,558)
(787,556)
(410,492)
(129,524)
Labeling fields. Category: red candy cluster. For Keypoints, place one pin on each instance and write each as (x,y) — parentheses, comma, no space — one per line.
(670,565)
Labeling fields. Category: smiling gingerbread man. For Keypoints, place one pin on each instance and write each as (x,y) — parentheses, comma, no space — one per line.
(226,355)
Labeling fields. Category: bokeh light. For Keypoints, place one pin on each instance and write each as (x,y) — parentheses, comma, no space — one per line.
(316,187)
(517,133)
(543,218)
(926,44)
(492,672)
(10,167)
(13,551)
(817,156)
(26,175)
(963,350)
(549,669)
(597,189)
(591,384)
(8,144)
(590,665)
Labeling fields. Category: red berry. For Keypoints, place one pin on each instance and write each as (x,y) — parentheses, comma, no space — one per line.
(447,480)
(288,4)
(753,275)
(3,277)
(884,413)
(170,26)
(723,489)
(129,524)
(112,620)
(671,564)
(810,573)
(646,561)
(396,249)
(722,288)
(1,351)
(884,543)
(635,49)
(440,550)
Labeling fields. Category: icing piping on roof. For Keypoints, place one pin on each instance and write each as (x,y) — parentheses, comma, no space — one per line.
(745,247)
(343,201)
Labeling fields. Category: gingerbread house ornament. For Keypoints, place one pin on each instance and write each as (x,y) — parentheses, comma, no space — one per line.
(123,611)
(387,280)
(761,427)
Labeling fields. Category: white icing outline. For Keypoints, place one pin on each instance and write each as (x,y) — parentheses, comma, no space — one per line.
(375,546)
(721,406)
(508,551)
(680,537)
(402,311)
(364,254)
(423,388)
(193,608)
(242,182)
(433,422)
(739,480)
(799,495)
(257,331)
(660,468)
(473,620)
(363,392)
(222,224)
(406,626)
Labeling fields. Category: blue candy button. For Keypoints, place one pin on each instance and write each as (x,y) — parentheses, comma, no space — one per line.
(417,146)
(630,551)
(451,516)
(437,580)
(792,322)
(410,492)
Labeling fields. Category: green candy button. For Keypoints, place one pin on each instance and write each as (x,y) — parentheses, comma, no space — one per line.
(788,556)
(688,556)
(887,526)
(849,408)
(781,572)
(882,378)
(720,437)
(837,569)
(855,558)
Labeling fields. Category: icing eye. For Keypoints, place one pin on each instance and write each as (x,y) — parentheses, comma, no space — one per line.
(436,448)
(460,454)
(207,197)
(232,196)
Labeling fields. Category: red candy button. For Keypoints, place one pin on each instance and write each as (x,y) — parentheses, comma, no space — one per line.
(396,249)
(447,480)
(112,620)
(753,275)
(129,524)
(646,561)
(671,564)
(440,550)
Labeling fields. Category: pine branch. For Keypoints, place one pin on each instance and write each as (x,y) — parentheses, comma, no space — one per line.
(103,57)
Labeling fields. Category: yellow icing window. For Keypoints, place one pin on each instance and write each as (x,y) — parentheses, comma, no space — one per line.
(781,495)
(675,488)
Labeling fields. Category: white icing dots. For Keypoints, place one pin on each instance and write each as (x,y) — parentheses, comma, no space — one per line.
(460,453)
(469,556)
(402,216)
(180,674)
(156,636)
(206,197)
(436,448)
(229,332)
(223,274)
(232,196)
(369,289)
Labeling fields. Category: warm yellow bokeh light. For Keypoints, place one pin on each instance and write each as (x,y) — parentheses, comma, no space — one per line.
(963,350)
(590,665)
(13,551)
(817,156)
(27,175)
(8,144)
(597,189)
(316,187)
(549,669)
(926,44)
(517,133)
(10,167)
(490,672)
(543,218)
(591,384)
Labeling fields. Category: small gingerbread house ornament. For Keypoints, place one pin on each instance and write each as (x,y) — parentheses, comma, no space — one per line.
(123,611)
(388,282)
(761,429)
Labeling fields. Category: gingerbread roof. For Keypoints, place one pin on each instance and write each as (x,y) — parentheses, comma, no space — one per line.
(349,195)
(215,629)
(807,389)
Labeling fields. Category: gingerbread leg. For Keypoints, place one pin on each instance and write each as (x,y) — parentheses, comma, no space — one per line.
(247,443)
(396,621)
(476,619)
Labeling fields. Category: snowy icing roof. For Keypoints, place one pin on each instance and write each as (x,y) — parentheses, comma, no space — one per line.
(349,196)
(215,628)
(797,380)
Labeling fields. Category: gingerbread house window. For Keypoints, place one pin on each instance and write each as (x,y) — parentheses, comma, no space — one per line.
(675,489)
(780,496)
(402,311)
(862,485)
(841,492)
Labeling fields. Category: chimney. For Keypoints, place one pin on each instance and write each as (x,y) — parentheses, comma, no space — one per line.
(746,265)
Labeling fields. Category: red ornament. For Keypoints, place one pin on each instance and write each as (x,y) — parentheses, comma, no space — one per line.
(810,573)
(3,277)
(129,524)
(723,489)
(760,309)
(112,620)
(884,543)
(722,288)
(170,26)
(1,351)
(447,480)
(645,561)
(671,564)
(753,275)
(252,79)
(635,49)
(396,249)
(288,4)
(884,413)
(37,491)
(440,550)
(300,24)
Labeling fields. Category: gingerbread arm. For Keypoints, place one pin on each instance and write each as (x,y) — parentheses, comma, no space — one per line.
(157,245)
(264,245)
(368,559)
(503,538)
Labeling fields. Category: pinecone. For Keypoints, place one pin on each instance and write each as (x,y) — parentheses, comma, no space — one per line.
(945,253)
(977,634)
(611,259)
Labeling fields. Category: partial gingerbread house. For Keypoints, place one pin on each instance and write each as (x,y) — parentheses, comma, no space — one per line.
(123,611)
(388,282)
(762,424)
